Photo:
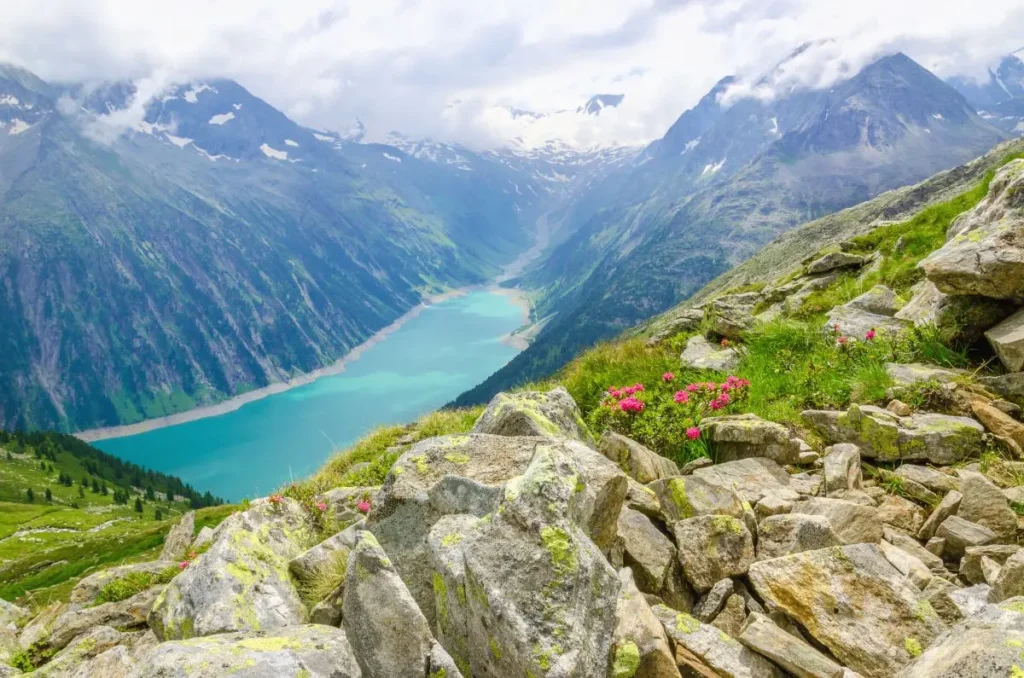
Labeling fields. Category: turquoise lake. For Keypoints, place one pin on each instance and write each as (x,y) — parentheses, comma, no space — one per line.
(450,347)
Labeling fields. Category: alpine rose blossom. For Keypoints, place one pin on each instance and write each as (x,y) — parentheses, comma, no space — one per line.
(631,404)
(668,376)
(870,335)
(692,388)
(182,565)
(682,397)
(693,433)
(276,499)
(321,506)
(725,343)
(363,506)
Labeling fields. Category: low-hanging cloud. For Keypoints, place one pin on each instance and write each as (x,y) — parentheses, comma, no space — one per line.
(403,64)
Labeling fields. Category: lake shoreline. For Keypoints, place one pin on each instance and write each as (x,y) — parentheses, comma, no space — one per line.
(516,296)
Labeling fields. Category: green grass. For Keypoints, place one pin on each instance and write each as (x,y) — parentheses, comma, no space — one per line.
(132,584)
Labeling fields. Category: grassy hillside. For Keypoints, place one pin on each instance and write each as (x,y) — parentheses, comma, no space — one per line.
(86,511)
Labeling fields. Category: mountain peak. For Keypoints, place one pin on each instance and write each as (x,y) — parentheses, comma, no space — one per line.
(599,102)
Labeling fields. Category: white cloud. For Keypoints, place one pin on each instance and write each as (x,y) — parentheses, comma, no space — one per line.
(401,64)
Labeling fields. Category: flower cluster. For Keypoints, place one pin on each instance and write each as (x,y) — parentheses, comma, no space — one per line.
(363,506)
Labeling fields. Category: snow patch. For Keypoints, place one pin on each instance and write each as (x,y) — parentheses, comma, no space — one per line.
(9,100)
(391,157)
(711,169)
(18,126)
(937,116)
(291,143)
(690,145)
(180,142)
(222,118)
(238,107)
(775,127)
(192,96)
(274,153)
(323,137)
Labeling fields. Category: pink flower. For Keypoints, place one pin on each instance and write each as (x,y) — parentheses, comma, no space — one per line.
(682,397)
(692,388)
(870,335)
(744,383)
(668,376)
(276,499)
(182,565)
(612,390)
(842,341)
(725,343)
(321,506)
(363,506)
(631,404)
(693,433)
(724,399)
(711,386)
(732,380)
(638,387)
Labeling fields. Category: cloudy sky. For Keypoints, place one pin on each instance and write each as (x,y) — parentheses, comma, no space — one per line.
(449,69)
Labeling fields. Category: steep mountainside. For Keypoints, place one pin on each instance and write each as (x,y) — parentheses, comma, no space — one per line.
(725,180)
(1000,99)
(214,248)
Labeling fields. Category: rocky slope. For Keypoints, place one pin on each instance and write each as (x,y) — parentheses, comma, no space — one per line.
(877,537)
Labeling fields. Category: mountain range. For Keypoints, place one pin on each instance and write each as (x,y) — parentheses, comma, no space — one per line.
(166,252)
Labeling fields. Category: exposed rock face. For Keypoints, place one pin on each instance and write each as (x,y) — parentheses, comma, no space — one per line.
(837,593)
(784,535)
(981,646)
(310,651)
(1007,339)
(641,647)
(985,252)
(241,583)
(703,650)
(744,436)
(179,539)
(713,547)
(525,590)
(689,496)
(881,435)
(553,414)
(700,354)
(638,462)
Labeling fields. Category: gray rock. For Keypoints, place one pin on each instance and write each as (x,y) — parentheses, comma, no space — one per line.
(763,636)
(325,555)
(961,534)
(312,651)
(125,614)
(731,315)
(84,657)
(772,505)
(646,551)
(525,589)
(694,464)
(700,354)
(970,564)
(842,467)
(938,438)
(703,650)
(241,583)
(387,631)
(908,374)
(1009,582)
(642,498)
(1009,386)
(965,317)
(934,480)
(329,611)
(839,593)
(179,539)
(640,646)
(204,537)
(635,460)
(12,614)
(971,600)
(899,408)
(852,523)
(879,300)
(713,547)
(744,436)
(86,590)
(910,488)
(344,502)
(553,414)
(946,508)
(908,565)
(984,255)
(689,496)
(898,512)
(1007,340)
(984,503)
(753,479)
(708,607)
(675,322)
(935,545)
(904,541)
(730,620)
(855,323)
(835,260)
(939,594)
(784,535)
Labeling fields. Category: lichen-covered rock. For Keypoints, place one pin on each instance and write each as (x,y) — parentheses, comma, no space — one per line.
(640,648)
(241,583)
(730,620)
(319,558)
(786,534)
(984,503)
(179,539)
(311,651)
(713,547)
(961,534)
(856,323)
(854,602)
(1009,582)
(1007,340)
(708,607)
(701,354)
(344,502)
(635,460)
(753,479)
(731,315)
(833,261)
(982,646)
(946,508)
(553,414)
(938,438)
(387,631)
(744,436)
(86,590)
(879,300)
(963,317)
(842,467)
(646,550)
(764,636)
(985,255)
(706,651)
(688,496)
(125,614)
(853,523)
(204,537)
(11,613)
(674,322)
(87,657)
(525,591)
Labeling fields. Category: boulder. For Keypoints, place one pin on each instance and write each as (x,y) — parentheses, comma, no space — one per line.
(1007,340)
(908,374)
(964,317)
(984,503)
(909,488)
(930,478)
(204,537)
(241,583)
(907,543)
(772,505)
(985,255)
(703,650)
(326,554)
(1009,582)
(744,436)
(86,590)
(179,539)
(908,565)
(344,502)
(946,508)
(646,551)
(87,657)
(730,620)
(708,607)
(635,460)
(784,535)
(640,647)
(125,614)
(998,422)
(701,354)
(525,590)
(753,479)
(833,261)
(838,594)
(311,651)
(852,523)
(675,322)
(713,547)
(329,611)
(764,636)
(939,594)
(731,315)
(553,414)
(879,300)
(1009,386)
(961,534)
(688,496)
(842,467)
(970,564)
(388,633)
(898,512)
(642,498)
(856,323)
(938,438)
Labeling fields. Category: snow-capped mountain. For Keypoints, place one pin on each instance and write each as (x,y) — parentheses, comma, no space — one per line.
(1000,99)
